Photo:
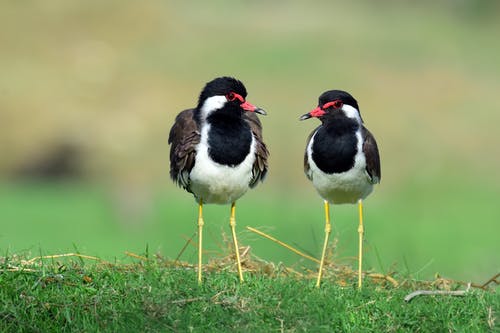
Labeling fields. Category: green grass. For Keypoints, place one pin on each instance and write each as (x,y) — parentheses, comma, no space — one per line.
(153,296)
(449,233)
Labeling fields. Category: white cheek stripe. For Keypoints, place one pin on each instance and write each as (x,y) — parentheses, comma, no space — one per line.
(351,112)
(211,104)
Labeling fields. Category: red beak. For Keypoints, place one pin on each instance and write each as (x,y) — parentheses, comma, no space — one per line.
(318,112)
(252,108)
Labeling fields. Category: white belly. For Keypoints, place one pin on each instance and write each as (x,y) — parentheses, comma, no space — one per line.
(216,183)
(346,187)
(343,187)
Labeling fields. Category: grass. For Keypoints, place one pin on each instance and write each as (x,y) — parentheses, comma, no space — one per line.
(449,233)
(130,294)
(72,295)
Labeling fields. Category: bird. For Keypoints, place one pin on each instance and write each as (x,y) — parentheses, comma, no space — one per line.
(341,160)
(217,151)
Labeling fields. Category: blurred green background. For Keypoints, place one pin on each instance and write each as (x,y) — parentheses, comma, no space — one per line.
(89,91)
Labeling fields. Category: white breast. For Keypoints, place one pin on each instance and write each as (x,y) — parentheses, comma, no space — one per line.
(217,183)
(344,187)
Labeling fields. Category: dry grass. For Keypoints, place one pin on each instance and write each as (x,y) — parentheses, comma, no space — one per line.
(335,271)
(73,291)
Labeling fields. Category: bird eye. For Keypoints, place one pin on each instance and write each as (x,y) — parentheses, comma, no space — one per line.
(337,104)
(231,96)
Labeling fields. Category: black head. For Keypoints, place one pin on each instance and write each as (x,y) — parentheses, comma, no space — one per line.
(222,86)
(225,93)
(334,95)
(334,100)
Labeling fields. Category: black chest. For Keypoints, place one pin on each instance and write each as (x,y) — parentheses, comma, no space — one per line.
(229,140)
(335,146)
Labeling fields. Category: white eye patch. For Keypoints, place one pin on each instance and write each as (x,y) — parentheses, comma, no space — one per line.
(211,104)
(351,112)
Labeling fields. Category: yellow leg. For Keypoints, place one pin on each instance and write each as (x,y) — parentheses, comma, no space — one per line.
(360,232)
(328,230)
(200,237)
(232,224)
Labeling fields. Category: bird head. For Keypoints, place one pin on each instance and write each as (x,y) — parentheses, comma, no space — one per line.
(225,93)
(334,103)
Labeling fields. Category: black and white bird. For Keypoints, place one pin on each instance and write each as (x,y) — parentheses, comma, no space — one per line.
(341,160)
(217,152)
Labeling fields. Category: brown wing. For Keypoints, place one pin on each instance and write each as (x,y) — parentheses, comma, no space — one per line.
(370,150)
(307,167)
(184,137)
(259,169)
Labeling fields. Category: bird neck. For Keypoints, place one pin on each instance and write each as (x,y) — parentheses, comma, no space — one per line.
(226,114)
(340,125)
(229,138)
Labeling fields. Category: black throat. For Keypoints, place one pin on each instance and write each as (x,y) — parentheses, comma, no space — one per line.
(229,137)
(335,145)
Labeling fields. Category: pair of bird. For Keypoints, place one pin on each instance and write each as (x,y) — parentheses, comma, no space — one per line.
(217,153)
